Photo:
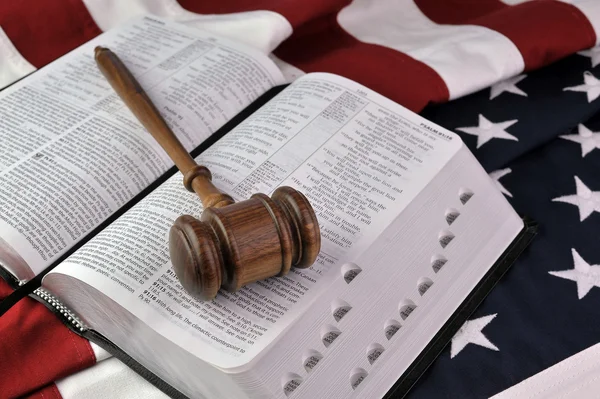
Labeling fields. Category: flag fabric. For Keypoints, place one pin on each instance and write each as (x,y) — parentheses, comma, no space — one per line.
(541,144)
(560,381)
(518,81)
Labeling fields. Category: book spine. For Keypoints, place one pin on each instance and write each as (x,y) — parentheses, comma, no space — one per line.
(62,311)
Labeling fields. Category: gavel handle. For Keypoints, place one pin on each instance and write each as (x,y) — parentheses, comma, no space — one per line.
(196,178)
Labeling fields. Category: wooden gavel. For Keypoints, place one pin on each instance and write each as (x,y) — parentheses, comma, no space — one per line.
(233,244)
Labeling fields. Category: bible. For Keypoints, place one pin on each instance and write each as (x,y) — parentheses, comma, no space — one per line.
(414,233)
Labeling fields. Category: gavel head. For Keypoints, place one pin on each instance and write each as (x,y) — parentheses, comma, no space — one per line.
(244,242)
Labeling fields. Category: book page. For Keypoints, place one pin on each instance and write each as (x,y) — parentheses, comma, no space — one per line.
(358,157)
(71,153)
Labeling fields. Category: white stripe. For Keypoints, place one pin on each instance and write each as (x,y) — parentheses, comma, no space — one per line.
(513,2)
(264,30)
(574,377)
(12,64)
(468,58)
(289,72)
(100,353)
(589,8)
(107,379)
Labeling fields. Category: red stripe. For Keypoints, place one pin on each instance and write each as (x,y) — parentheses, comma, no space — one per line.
(48,392)
(36,349)
(296,12)
(456,12)
(45,30)
(5,289)
(544,31)
(319,44)
(323,46)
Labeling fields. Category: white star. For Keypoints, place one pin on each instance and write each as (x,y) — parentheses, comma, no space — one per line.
(497,175)
(589,140)
(593,53)
(470,333)
(508,85)
(591,86)
(586,200)
(585,275)
(488,130)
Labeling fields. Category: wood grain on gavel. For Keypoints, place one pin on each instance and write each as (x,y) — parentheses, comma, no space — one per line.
(232,244)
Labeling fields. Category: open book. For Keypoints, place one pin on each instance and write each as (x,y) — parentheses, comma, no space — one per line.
(414,232)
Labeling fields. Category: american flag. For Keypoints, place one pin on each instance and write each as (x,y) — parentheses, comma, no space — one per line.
(519,81)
